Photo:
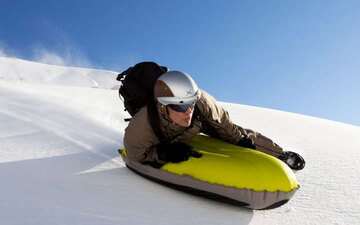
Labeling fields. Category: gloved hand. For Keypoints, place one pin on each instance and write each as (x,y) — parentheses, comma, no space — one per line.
(176,152)
(246,142)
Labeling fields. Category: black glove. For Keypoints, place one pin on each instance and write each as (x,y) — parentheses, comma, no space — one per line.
(176,152)
(246,142)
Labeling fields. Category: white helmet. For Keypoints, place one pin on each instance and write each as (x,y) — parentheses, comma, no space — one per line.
(176,88)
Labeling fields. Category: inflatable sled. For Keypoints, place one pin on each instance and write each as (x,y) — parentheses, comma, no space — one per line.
(227,173)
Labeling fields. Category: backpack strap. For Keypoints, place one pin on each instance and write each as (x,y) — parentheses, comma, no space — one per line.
(155,120)
(121,76)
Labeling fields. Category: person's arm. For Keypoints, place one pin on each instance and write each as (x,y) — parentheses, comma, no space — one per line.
(218,118)
(140,140)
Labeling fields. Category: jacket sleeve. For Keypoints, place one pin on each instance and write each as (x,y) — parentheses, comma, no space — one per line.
(218,118)
(140,140)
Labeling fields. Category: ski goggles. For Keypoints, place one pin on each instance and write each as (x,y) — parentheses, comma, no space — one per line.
(182,108)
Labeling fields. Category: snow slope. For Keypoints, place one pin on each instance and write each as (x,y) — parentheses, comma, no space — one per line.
(13,69)
(59,164)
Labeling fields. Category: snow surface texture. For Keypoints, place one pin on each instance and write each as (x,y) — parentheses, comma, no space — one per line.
(59,162)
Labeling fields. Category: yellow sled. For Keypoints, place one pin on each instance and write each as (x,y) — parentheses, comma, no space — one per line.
(230,173)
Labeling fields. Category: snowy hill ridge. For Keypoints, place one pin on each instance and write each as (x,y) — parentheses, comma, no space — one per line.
(13,69)
(59,165)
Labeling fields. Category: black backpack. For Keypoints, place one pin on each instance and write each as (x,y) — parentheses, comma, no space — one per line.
(138,85)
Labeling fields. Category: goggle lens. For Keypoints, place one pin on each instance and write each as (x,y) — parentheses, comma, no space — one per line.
(182,108)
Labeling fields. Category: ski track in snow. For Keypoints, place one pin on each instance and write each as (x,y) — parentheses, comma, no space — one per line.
(59,165)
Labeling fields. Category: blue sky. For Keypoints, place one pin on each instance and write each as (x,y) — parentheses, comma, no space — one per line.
(296,56)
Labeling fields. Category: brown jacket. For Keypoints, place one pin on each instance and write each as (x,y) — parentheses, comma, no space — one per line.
(140,140)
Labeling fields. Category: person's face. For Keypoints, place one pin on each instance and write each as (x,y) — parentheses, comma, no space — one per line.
(181,118)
